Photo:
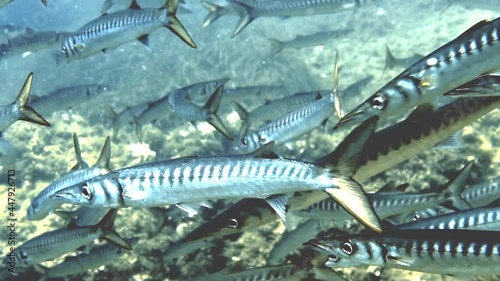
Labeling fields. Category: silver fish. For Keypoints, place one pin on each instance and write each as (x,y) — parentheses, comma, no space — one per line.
(31,41)
(292,125)
(43,203)
(479,218)
(473,53)
(311,40)
(464,252)
(96,257)
(197,179)
(54,244)
(482,194)
(214,12)
(66,98)
(20,110)
(279,8)
(274,109)
(114,29)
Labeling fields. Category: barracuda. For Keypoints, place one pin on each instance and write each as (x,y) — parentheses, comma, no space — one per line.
(68,97)
(292,125)
(30,42)
(114,29)
(82,263)
(278,272)
(482,194)
(311,40)
(54,244)
(479,218)
(43,204)
(20,110)
(279,8)
(454,252)
(196,179)
(475,52)
(394,203)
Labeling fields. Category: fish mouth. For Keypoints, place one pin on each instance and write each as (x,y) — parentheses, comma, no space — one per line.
(318,246)
(353,117)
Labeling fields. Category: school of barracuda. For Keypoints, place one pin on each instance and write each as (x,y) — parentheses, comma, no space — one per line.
(233,154)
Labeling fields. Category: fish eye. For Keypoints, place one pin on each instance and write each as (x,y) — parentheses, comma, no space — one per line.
(347,248)
(244,142)
(86,193)
(333,258)
(23,255)
(378,102)
(233,223)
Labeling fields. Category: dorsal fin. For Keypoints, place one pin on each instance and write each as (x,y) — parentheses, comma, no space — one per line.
(265,151)
(105,155)
(134,5)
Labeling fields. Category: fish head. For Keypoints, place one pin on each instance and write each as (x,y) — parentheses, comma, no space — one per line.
(100,191)
(21,257)
(376,105)
(344,252)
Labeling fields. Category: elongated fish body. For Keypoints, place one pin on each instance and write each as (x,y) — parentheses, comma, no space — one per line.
(278,272)
(473,53)
(250,92)
(20,110)
(292,125)
(114,29)
(482,194)
(43,204)
(66,98)
(421,131)
(201,91)
(385,204)
(127,115)
(30,42)
(291,8)
(464,252)
(274,109)
(82,263)
(54,244)
(479,218)
(310,40)
(196,179)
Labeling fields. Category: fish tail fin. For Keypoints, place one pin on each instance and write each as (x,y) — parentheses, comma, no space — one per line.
(44,2)
(138,128)
(213,119)
(243,114)
(276,47)
(114,120)
(104,157)
(389,59)
(214,12)
(246,15)
(27,112)
(175,25)
(455,187)
(351,196)
(109,234)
